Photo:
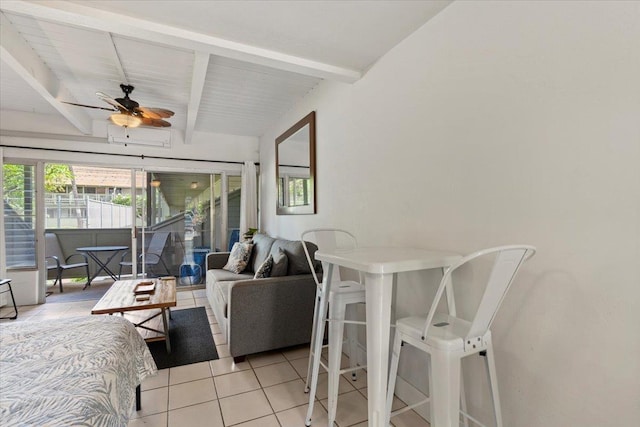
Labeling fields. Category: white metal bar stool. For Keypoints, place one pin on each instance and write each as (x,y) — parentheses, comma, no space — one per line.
(448,338)
(341,301)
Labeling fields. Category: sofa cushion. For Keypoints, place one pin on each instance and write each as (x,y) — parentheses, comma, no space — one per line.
(227,276)
(239,257)
(280,264)
(265,269)
(296,258)
(261,249)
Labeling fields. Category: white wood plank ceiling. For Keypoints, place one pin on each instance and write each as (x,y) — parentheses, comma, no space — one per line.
(222,67)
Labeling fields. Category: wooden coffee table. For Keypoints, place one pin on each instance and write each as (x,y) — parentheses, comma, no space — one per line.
(143,314)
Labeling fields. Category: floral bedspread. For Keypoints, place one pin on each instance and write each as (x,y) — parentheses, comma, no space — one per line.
(70,372)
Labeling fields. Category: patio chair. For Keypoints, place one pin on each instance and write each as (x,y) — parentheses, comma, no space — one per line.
(56,261)
(152,255)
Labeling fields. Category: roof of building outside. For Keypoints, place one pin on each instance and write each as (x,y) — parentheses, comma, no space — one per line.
(105,177)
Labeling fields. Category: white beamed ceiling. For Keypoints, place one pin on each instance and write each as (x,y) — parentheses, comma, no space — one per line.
(263,57)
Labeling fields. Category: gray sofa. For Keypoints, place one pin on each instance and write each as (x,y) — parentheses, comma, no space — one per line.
(262,314)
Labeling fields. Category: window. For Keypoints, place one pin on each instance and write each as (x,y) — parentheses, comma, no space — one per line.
(86,197)
(298,191)
(19,215)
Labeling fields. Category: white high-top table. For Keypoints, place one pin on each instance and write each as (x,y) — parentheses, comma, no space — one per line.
(380,267)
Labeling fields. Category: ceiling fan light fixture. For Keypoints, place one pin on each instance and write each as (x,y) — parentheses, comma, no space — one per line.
(155,183)
(126,120)
(194,185)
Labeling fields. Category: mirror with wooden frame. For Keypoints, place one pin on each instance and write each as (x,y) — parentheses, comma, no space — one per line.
(296,168)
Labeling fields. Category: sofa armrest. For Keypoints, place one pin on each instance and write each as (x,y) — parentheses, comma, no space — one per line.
(270,313)
(216,260)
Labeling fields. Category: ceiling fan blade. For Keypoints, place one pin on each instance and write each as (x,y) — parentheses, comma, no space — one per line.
(154,113)
(89,106)
(158,123)
(109,100)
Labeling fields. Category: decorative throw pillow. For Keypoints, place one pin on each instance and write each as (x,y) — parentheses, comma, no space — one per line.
(239,257)
(265,268)
(280,264)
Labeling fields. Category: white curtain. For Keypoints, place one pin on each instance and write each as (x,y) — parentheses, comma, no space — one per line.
(248,198)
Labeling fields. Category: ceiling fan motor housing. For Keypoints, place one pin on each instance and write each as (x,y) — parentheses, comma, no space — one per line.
(127,102)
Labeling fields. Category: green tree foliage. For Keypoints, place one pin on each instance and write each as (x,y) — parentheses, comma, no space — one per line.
(13,180)
(125,200)
(14,185)
(121,199)
(57,177)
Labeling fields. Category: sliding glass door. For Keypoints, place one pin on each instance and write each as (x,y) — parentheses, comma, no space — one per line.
(169,220)
(198,212)
(93,207)
(178,213)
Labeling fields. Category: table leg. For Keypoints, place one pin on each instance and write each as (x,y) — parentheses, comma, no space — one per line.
(379,291)
(90,279)
(105,266)
(102,266)
(165,321)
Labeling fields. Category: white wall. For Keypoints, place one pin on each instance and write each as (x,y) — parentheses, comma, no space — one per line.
(503,122)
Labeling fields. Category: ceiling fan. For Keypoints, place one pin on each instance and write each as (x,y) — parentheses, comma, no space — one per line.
(129,113)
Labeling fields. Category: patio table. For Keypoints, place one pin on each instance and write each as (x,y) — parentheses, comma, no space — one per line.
(93,251)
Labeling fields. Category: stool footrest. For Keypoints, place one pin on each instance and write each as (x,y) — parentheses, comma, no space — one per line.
(410,407)
(467,416)
(344,371)
(347,322)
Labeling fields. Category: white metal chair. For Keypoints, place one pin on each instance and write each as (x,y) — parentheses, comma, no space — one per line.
(341,299)
(448,338)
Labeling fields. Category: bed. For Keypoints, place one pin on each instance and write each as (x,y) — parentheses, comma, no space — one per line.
(74,371)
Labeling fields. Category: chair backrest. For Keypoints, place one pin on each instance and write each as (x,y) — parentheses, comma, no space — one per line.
(508,260)
(327,239)
(52,246)
(157,243)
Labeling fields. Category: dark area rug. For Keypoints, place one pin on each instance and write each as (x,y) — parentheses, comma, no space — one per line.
(191,340)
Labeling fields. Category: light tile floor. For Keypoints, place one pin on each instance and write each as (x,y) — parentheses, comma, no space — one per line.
(266,390)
